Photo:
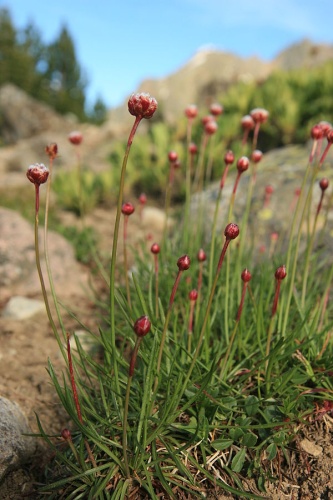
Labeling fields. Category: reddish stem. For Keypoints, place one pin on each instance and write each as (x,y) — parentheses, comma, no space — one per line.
(174,288)
(224,249)
(224,176)
(276,297)
(134,356)
(73,384)
(255,135)
(236,183)
(323,156)
(190,321)
(320,203)
(240,308)
(37,198)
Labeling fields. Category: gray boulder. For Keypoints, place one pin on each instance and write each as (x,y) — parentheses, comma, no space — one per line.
(15,447)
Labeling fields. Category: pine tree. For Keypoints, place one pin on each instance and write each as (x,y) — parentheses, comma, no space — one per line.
(64,75)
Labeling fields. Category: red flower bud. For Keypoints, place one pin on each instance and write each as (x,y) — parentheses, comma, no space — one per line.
(256,156)
(280,273)
(183,263)
(52,150)
(142,326)
(269,189)
(155,248)
(201,255)
(317,132)
(66,434)
(231,231)
(216,109)
(193,295)
(127,209)
(243,164)
(143,199)
(325,126)
(173,156)
(247,122)
(206,119)
(246,276)
(191,111)
(324,183)
(229,158)
(142,105)
(193,148)
(259,115)
(75,137)
(37,173)
(211,127)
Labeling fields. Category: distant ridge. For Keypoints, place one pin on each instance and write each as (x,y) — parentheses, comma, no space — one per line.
(209,72)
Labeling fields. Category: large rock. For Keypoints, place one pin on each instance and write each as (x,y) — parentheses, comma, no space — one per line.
(15,447)
(23,116)
(18,273)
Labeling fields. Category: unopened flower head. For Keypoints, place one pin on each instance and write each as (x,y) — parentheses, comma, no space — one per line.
(127,209)
(173,156)
(142,326)
(52,150)
(207,118)
(229,157)
(191,111)
(216,109)
(201,255)
(211,127)
(246,276)
(317,132)
(143,199)
(231,231)
(247,122)
(259,115)
(324,183)
(75,137)
(269,189)
(155,248)
(37,173)
(183,263)
(193,148)
(66,434)
(243,164)
(325,126)
(256,156)
(280,273)
(142,105)
(193,295)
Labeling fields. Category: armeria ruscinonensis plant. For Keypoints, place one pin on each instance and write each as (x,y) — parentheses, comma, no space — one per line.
(234,364)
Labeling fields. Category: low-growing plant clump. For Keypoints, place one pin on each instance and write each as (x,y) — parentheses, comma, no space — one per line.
(213,361)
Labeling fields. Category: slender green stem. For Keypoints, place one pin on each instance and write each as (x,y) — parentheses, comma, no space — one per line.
(309,249)
(114,256)
(227,354)
(188,183)
(46,250)
(125,423)
(40,274)
(213,237)
(296,248)
(126,263)
(166,324)
(207,313)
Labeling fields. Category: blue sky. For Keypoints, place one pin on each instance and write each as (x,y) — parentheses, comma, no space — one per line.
(121,42)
